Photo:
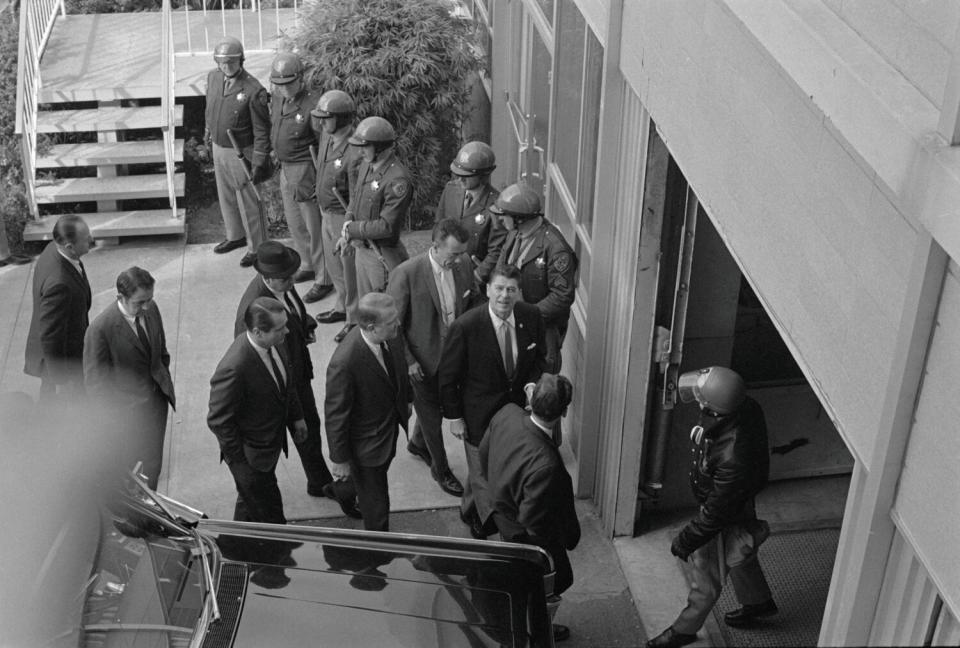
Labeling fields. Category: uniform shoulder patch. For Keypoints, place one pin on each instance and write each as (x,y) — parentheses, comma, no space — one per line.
(561,262)
(400,188)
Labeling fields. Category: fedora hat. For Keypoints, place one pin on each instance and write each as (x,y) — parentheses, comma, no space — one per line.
(275,260)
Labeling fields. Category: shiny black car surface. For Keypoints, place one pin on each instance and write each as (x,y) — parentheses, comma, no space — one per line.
(151,572)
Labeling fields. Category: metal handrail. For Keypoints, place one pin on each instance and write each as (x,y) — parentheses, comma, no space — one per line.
(168,122)
(37,18)
(255,6)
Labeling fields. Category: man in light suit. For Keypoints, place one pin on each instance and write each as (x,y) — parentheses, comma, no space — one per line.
(127,367)
(530,489)
(252,403)
(368,400)
(61,303)
(488,356)
(431,290)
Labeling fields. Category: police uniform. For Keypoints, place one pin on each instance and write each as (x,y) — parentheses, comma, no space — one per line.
(338,164)
(486,233)
(243,109)
(291,137)
(377,209)
(548,269)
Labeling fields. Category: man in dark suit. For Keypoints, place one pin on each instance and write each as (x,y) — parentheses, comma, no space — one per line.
(488,356)
(530,490)
(431,290)
(277,266)
(368,400)
(127,367)
(61,303)
(252,403)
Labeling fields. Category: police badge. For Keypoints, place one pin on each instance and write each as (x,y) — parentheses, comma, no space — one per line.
(298,118)
(241,97)
(541,262)
(375,185)
(479,218)
(338,163)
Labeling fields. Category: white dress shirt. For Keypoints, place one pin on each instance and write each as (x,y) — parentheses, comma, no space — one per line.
(265,359)
(499,325)
(445,288)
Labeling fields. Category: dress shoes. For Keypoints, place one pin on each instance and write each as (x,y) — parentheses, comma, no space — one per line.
(318,292)
(745,616)
(304,275)
(338,338)
(15,259)
(331,317)
(420,453)
(560,632)
(226,246)
(248,259)
(670,638)
(476,526)
(348,507)
(450,484)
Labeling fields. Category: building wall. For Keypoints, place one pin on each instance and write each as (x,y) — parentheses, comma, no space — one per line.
(820,241)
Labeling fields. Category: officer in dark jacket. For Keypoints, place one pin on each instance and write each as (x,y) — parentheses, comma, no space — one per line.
(291,137)
(548,265)
(236,102)
(467,199)
(378,205)
(731,465)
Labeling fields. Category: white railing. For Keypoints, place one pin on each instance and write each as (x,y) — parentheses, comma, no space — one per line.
(36,23)
(168,122)
(256,42)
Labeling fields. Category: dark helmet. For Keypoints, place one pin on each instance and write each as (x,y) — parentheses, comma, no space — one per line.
(228,48)
(474,158)
(373,130)
(333,103)
(518,201)
(717,389)
(286,68)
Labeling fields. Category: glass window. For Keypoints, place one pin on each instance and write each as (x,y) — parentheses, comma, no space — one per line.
(539,108)
(569,72)
(547,7)
(590,123)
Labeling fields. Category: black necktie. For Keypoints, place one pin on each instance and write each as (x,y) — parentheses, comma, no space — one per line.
(276,372)
(142,334)
(294,313)
(388,363)
(467,200)
(508,349)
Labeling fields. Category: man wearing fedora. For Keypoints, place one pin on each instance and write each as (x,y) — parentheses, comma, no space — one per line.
(277,265)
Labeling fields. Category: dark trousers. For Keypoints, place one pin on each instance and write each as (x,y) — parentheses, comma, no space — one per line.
(428,432)
(146,435)
(373,495)
(311,448)
(258,495)
(563,571)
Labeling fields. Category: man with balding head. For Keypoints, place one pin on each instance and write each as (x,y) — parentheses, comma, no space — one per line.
(367,401)
(253,401)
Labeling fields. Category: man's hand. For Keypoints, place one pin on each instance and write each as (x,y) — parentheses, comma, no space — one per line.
(528,390)
(345,231)
(259,174)
(415,372)
(203,153)
(340,471)
(677,549)
(458,427)
(299,431)
(341,246)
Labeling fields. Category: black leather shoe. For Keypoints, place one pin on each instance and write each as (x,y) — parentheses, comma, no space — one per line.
(331,317)
(318,491)
(338,338)
(450,484)
(226,246)
(560,632)
(318,292)
(419,452)
(349,508)
(248,259)
(304,275)
(476,527)
(745,616)
(670,638)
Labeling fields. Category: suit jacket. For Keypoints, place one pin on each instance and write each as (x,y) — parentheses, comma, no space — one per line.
(301,329)
(529,485)
(486,233)
(363,408)
(414,288)
(248,414)
(473,381)
(116,366)
(61,303)
(244,110)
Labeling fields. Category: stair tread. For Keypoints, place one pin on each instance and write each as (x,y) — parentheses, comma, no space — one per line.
(153,185)
(141,222)
(107,118)
(101,153)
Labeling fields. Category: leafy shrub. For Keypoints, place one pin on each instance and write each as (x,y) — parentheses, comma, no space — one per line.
(13,199)
(404,60)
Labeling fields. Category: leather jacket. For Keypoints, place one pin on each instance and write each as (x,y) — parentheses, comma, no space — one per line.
(731,464)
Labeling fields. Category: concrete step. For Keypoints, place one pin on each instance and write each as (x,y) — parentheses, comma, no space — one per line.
(102,119)
(152,185)
(145,222)
(102,153)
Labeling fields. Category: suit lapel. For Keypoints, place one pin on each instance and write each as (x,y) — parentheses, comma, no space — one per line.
(462,283)
(493,342)
(367,356)
(122,329)
(426,270)
(262,369)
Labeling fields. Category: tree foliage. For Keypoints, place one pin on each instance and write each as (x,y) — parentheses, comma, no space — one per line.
(404,60)
(13,199)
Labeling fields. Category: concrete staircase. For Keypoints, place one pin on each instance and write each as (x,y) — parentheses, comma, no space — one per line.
(116,138)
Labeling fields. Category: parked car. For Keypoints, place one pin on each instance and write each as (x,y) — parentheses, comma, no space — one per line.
(147,571)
